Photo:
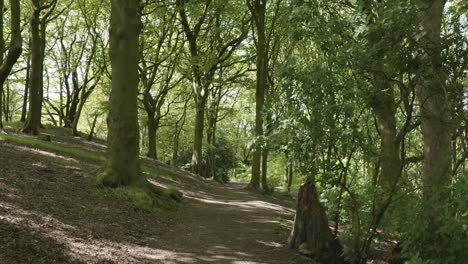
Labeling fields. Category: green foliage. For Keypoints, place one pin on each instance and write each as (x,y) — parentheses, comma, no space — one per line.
(447,243)
(225,158)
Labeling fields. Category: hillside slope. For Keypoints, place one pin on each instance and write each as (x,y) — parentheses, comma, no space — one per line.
(52,211)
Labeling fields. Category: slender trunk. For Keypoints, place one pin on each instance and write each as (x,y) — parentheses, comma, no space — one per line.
(24,109)
(178,129)
(6,103)
(123,165)
(286,175)
(93,127)
(76,118)
(15,47)
(265,187)
(151,124)
(258,11)
(198,134)
(209,150)
(33,121)
(290,177)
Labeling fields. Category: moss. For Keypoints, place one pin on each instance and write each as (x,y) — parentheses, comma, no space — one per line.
(174,194)
(147,197)
(163,173)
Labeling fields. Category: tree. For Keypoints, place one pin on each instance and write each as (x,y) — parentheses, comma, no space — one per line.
(38,26)
(14,49)
(436,127)
(122,165)
(159,57)
(207,55)
(258,10)
(78,60)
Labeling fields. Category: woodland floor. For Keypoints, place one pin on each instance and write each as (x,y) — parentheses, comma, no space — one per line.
(52,211)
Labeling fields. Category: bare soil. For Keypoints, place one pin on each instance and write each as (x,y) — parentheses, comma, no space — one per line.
(52,211)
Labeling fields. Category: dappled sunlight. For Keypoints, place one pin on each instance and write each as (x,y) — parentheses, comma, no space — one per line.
(272,244)
(90,249)
(159,184)
(43,153)
(252,205)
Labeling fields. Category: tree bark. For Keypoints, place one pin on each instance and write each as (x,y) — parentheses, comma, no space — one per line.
(258,10)
(93,127)
(152,127)
(432,95)
(198,133)
(33,121)
(311,235)
(122,166)
(15,47)
(24,109)
(290,177)
(178,129)
(265,187)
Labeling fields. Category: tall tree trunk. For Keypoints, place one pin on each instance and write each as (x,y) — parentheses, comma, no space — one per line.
(178,129)
(15,47)
(290,177)
(433,99)
(6,103)
(385,112)
(24,109)
(258,10)
(33,121)
(311,235)
(152,153)
(265,187)
(197,162)
(122,166)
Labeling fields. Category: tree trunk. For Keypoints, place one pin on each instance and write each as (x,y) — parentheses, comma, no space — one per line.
(76,118)
(209,170)
(290,177)
(123,166)
(198,134)
(435,112)
(265,187)
(385,111)
(311,235)
(258,12)
(15,47)
(151,124)
(24,109)
(93,127)
(178,129)
(33,121)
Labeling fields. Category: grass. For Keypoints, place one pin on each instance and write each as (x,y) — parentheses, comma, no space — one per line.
(151,170)
(55,147)
(149,198)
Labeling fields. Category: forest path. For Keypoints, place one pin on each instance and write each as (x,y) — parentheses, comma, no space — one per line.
(228,224)
(51,211)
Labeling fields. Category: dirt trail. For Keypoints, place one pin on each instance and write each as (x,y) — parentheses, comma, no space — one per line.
(51,211)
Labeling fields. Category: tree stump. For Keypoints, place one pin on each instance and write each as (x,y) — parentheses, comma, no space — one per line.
(311,235)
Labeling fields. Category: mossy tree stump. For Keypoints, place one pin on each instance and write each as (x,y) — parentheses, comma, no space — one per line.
(311,235)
